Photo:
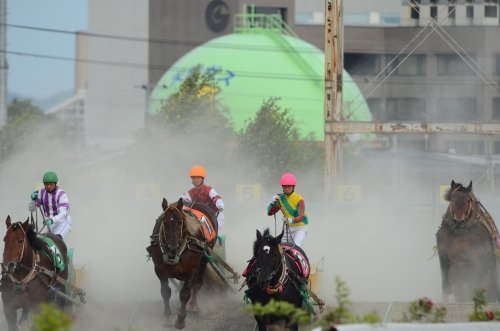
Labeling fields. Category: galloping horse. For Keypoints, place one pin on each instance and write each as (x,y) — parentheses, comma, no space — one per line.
(34,267)
(466,247)
(277,271)
(179,250)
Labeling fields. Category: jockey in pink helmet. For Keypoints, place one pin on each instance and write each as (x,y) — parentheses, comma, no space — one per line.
(292,206)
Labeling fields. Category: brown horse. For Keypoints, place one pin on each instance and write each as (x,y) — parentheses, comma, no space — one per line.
(179,250)
(30,270)
(466,247)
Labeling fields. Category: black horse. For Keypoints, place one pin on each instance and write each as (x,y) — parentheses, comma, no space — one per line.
(466,247)
(277,271)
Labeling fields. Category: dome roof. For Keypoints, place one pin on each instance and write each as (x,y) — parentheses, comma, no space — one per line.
(256,66)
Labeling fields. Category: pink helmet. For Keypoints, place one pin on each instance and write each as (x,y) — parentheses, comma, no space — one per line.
(288,179)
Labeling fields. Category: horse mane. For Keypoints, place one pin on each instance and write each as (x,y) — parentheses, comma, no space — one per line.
(256,244)
(36,243)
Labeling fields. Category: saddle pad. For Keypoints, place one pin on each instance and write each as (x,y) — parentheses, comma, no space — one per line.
(208,230)
(57,256)
(299,257)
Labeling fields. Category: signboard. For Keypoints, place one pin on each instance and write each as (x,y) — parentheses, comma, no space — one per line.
(348,193)
(443,189)
(248,192)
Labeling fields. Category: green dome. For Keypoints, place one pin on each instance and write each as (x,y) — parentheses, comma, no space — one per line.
(256,66)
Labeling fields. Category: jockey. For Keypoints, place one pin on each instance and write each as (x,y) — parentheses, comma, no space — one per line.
(55,205)
(292,206)
(204,193)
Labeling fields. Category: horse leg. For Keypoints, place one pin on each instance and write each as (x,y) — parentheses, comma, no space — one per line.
(193,302)
(184,296)
(166,292)
(11,317)
(24,314)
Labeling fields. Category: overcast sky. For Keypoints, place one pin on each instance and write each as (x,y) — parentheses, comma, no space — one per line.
(32,76)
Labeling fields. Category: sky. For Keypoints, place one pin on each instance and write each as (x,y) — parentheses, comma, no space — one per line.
(33,77)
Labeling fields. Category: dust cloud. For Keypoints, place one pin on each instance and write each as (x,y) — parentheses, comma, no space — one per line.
(380,243)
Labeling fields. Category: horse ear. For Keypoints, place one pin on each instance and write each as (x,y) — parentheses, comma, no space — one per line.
(180,203)
(453,184)
(278,238)
(8,222)
(164,204)
(469,188)
(259,235)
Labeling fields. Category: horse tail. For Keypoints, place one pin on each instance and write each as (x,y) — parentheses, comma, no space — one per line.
(214,279)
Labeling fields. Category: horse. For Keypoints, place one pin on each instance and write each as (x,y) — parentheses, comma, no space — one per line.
(277,271)
(34,268)
(179,246)
(466,247)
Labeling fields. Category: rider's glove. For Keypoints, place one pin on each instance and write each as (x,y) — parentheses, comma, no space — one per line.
(288,220)
(34,195)
(275,198)
(48,222)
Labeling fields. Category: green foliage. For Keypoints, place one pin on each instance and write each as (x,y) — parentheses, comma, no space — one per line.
(480,312)
(342,313)
(50,318)
(195,105)
(423,310)
(24,120)
(273,139)
(281,309)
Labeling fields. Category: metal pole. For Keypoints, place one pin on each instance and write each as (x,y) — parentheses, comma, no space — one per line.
(3,63)
(333,92)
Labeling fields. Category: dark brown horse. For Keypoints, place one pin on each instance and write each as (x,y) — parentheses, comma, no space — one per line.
(179,250)
(466,247)
(31,271)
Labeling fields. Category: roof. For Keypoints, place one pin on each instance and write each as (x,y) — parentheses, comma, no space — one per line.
(258,65)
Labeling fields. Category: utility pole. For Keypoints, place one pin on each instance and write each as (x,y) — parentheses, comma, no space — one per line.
(3,63)
(334,66)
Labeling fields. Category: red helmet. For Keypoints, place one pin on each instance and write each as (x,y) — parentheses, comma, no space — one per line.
(288,179)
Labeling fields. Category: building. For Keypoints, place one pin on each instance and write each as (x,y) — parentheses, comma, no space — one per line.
(408,69)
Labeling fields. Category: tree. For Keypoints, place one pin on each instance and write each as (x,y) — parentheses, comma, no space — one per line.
(24,122)
(273,139)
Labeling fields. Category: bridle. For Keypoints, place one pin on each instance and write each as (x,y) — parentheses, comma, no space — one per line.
(471,200)
(34,266)
(278,287)
(171,259)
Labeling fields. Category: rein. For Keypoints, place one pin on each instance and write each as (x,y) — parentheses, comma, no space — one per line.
(35,259)
(278,288)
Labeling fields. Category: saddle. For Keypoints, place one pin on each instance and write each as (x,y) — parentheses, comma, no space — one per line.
(209,233)
(296,255)
(54,251)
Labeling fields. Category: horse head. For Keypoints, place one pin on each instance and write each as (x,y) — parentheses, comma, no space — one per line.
(462,203)
(172,224)
(15,244)
(268,255)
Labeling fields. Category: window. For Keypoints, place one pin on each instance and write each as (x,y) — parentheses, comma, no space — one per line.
(362,64)
(451,11)
(453,65)
(415,9)
(458,109)
(490,11)
(434,12)
(495,111)
(405,109)
(497,64)
(469,1)
(469,11)
(375,106)
(414,65)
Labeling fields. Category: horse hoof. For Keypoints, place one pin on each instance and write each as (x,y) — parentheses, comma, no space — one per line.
(180,324)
